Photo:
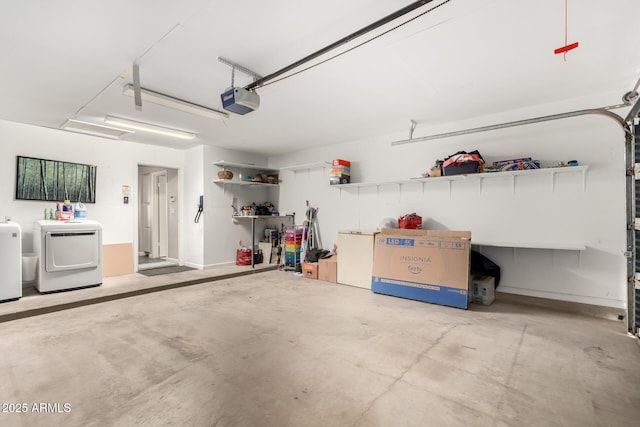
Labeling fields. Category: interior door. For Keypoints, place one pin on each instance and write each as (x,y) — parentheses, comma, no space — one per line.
(146,214)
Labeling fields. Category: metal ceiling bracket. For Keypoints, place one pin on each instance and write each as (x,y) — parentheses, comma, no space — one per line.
(635,110)
(137,94)
(255,76)
(631,96)
(412,127)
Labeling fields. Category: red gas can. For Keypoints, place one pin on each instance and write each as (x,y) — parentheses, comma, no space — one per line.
(243,256)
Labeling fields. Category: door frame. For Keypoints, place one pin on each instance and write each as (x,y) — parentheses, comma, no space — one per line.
(179,211)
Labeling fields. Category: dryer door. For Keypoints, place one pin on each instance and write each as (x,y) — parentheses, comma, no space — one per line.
(71,250)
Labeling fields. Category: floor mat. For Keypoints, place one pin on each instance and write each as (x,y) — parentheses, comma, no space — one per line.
(165,270)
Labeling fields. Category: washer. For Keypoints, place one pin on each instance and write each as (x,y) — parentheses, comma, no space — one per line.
(70,254)
(10,261)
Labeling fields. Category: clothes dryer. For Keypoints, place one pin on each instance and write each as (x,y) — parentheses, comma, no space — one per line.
(70,254)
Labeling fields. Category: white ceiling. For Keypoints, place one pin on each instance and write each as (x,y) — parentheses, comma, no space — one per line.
(72,58)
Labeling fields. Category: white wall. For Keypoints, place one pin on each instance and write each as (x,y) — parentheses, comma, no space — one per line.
(174,195)
(593,215)
(193,188)
(117,165)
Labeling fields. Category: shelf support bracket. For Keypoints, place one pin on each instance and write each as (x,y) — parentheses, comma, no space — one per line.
(412,127)
(580,259)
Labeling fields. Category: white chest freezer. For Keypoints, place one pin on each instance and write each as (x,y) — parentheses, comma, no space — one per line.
(10,261)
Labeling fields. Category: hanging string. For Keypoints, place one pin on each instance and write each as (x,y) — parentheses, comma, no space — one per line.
(567,47)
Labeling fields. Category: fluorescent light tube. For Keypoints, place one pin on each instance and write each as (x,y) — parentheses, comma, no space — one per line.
(146,127)
(94,129)
(175,103)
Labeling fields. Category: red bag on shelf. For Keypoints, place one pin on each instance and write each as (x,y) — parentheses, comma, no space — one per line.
(411,221)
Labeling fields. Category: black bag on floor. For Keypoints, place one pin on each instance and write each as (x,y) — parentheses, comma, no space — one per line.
(483,266)
(313,255)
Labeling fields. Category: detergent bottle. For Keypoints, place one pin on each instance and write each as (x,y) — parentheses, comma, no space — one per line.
(80,211)
(67,211)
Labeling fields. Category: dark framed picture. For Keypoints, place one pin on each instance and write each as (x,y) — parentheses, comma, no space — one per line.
(55,181)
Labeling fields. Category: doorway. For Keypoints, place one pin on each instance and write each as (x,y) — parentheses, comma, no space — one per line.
(157,217)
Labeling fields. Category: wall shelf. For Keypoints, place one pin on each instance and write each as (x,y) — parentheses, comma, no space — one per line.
(532,245)
(253,218)
(238,182)
(243,166)
(234,165)
(552,172)
(479,177)
(306,166)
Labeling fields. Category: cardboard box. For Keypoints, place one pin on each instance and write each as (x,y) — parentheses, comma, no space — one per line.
(328,269)
(511,161)
(483,290)
(340,170)
(425,265)
(310,270)
(340,162)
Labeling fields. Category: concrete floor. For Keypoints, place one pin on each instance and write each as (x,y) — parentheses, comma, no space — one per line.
(274,349)
(117,287)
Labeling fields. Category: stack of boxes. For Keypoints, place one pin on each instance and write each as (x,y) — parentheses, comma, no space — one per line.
(292,244)
(340,172)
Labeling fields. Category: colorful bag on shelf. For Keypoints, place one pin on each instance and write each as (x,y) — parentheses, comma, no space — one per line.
(462,163)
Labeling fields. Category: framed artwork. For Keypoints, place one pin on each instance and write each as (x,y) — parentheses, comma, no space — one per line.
(55,181)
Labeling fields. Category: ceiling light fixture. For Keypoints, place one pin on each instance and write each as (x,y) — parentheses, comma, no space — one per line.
(94,129)
(146,127)
(175,103)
